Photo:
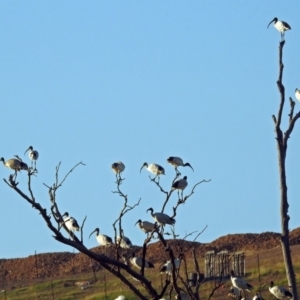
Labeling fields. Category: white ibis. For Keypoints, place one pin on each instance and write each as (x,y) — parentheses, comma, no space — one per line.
(234,293)
(257,297)
(297,94)
(33,155)
(155,169)
(137,262)
(102,239)
(71,223)
(180,184)
(167,266)
(118,167)
(281,26)
(279,292)
(145,226)
(178,162)
(161,218)
(240,283)
(124,241)
(14,164)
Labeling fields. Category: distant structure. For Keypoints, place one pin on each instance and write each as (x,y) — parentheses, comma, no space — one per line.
(220,264)
(238,264)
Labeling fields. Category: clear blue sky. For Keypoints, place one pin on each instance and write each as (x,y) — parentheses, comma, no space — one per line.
(139,81)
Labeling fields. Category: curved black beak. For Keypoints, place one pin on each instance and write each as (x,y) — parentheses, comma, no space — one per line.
(271,22)
(92,232)
(26,151)
(144,164)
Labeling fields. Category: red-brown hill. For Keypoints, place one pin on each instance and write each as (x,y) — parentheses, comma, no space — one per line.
(66,263)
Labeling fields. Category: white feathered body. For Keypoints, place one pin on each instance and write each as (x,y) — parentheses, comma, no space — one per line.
(104,240)
(180,184)
(282,26)
(118,167)
(137,262)
(240,283)
(297,94)
(71,223)
(163,219)
(167,267)
(145,226)
(125,242)
(280,292)
(154,169)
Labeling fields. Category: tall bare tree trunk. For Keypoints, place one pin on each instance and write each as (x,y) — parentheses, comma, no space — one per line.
(282,140)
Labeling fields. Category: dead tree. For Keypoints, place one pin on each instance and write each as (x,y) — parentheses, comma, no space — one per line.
(282,143)
(115,265)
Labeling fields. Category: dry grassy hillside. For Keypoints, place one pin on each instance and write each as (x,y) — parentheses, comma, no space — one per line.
(66,263)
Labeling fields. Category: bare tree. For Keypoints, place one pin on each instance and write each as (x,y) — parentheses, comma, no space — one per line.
(282,143)
(116,264)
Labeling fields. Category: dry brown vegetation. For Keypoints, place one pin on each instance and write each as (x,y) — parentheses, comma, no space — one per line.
(14,272)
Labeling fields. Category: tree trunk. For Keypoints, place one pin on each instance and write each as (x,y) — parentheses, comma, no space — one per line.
(282,140)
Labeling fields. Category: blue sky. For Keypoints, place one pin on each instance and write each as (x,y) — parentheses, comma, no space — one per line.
(139,81)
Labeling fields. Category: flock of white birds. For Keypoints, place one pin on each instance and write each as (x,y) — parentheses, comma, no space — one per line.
(240,286)
(17,163)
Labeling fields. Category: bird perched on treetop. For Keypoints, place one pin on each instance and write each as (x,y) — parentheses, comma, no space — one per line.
(297,94)
(178,162)
(154,169)
(14,164)
(33,155)
(281,26)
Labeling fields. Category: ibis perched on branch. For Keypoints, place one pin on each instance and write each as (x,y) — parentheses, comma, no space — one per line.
(102,239)
(124,241)
(281,26)
(118,167)
(155,169)
(178,162)
(279,292)
(70,223)
(14,164)
(297,94)
(167,266)
(180,185)
(33,155)
(161,218)
(145,226)
(137,262)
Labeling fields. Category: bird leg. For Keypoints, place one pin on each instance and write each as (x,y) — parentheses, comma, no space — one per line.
(177,172)
(119,179)
(153,179)
(12,180)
